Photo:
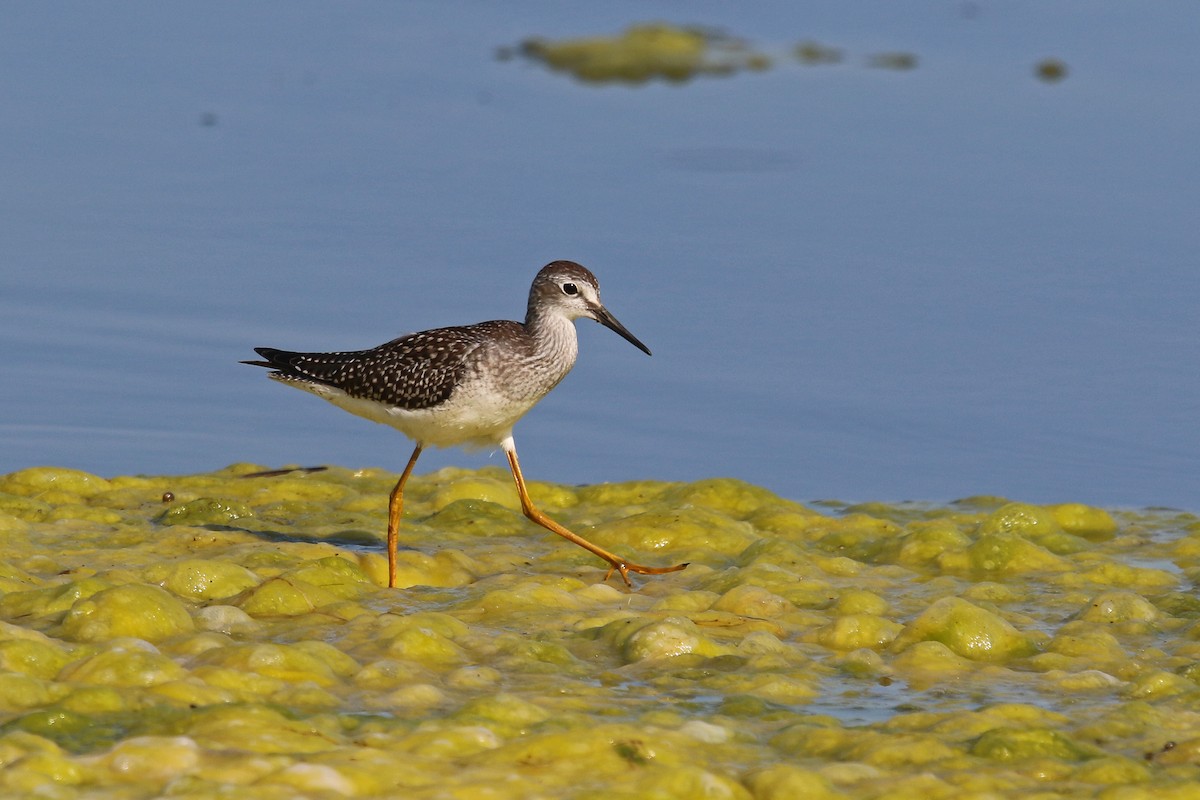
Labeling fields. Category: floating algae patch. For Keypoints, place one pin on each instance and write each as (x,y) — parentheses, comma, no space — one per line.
(678,53)
(1050,70)
(228,634)
(646,52)
(812,53)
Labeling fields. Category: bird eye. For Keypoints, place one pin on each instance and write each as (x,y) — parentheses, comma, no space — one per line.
(570,288)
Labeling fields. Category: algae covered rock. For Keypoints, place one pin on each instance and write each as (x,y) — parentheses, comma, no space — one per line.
(752,601)
(854,631)
(639,638)
(1120,606)
(285,597)
(676,529)
(1008,552)
(969,631)
(205,511)
(135,610)
(25,509)
(788,781)
(30,653)
(207,579)
(1022,744)
(124,664)
(1083,520)
(1032,523)
(305,661)
(56,481)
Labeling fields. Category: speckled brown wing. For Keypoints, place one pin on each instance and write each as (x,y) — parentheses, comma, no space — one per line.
(413,372)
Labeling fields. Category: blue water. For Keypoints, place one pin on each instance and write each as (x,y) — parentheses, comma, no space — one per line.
(858,283)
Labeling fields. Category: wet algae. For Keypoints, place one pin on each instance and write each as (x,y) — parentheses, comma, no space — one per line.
(212,635)
(646,52)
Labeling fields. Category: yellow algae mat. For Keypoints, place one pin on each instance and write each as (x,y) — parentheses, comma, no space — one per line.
(224,636)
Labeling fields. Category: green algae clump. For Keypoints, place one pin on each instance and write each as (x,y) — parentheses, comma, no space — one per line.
(1021,744)
(788,781)
(644,52)
(641,638)
(1010,552)
(205,511)
(134,610)
(1120,606)
(285,597)
(855,631)
(1082,520)
(124,664)
(53,484)
(27,656)
(969,631)
(816,53)
(1050,70)
(200,579)
(305,661)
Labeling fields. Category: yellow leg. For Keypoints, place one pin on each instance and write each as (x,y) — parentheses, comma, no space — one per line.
(616,563)
(395,508)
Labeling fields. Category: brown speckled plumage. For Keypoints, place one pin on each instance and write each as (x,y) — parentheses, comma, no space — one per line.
(419,370)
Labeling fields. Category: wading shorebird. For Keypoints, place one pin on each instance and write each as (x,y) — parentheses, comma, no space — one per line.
(465,385)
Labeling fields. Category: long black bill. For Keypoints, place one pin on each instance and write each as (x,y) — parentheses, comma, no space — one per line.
(609,321)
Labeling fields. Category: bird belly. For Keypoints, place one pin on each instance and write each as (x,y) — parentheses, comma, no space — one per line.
(464,420)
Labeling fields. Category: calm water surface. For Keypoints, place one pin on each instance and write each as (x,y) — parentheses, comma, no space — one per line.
(857,283)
